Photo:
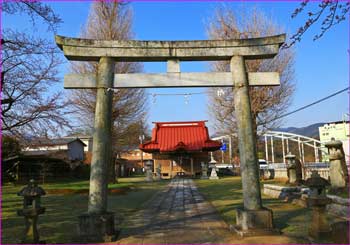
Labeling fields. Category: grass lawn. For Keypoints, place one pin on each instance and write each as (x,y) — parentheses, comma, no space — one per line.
(225,195)
(59,223)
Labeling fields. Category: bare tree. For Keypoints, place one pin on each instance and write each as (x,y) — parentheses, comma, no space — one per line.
(29,69)
(266,102)
(329,13)
(33,9)
(112,21)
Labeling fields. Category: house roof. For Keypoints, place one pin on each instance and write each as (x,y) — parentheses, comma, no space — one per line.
(189,136)
(51,142)
(335,122)
(78,135)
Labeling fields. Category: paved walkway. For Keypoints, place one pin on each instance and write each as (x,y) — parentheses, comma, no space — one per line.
(179,214)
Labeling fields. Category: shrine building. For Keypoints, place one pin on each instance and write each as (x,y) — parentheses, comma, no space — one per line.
(180,147)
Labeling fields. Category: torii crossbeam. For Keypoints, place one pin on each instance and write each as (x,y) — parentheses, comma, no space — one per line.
(252,218)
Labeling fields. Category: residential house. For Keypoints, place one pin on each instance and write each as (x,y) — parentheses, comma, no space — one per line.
(67,149)
(86,139)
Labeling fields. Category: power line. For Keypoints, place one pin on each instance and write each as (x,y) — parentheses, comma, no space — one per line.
(311,104)
(276,118)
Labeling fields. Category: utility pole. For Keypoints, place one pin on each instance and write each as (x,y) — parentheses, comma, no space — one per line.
(230,148)
(222,152)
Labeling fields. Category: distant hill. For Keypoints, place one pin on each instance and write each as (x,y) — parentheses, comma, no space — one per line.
(310,131)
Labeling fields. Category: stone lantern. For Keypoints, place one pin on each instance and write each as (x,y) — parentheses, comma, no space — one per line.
(294,171)
(149,172)
(317,201)
(31,210)
(213,174)
(338,172)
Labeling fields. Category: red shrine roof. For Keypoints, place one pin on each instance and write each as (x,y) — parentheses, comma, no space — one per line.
(180,136)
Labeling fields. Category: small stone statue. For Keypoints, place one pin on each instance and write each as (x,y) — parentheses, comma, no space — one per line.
(31,210)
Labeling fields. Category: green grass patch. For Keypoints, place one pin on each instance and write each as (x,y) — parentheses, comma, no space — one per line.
(226,195)
(59,223)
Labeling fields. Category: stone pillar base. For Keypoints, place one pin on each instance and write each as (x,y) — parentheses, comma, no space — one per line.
(204,177)
(342,228)
(97,227)
(254,222)
(319,228)
(313,234)
(213,174)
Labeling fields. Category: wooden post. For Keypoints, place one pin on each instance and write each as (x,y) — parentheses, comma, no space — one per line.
(171,169)
(192,174)
(266,150)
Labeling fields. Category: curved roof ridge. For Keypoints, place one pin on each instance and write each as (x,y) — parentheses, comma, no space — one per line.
(192,136)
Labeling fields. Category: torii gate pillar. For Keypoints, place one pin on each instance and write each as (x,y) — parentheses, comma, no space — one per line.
(252,219)
(98,224)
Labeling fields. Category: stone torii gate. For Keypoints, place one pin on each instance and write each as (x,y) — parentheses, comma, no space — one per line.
(252,217)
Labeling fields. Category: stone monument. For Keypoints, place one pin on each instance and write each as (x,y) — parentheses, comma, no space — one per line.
(159,172)
(31,210)
(338,171)
(149,172)
(317,201)
(294,170)
(204,171)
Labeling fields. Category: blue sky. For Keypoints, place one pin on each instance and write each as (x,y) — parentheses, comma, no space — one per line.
(322,67)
